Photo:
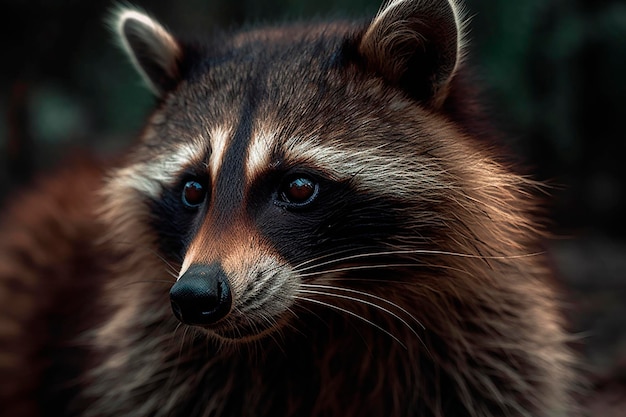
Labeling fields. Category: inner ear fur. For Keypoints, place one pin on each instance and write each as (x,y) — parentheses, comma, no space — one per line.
(415,45)
(154,52)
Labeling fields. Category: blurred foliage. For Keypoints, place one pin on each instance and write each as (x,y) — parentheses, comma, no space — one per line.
(553,72)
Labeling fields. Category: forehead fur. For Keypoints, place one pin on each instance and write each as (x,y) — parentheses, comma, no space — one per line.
(373,159)
(303,94)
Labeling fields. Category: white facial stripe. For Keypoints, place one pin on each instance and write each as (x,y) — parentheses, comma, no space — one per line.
(373,168)
(259,152)
(219,138)
(189,257)
(149,177)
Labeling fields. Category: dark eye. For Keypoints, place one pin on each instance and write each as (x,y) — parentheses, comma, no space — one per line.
(194,194)
(299,191)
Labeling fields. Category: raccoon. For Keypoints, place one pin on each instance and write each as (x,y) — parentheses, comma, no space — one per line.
(313,222)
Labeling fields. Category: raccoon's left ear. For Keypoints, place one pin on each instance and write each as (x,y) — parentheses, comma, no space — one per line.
(416,45)
(155,53)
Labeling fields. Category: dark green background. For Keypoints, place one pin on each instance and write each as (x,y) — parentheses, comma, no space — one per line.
(553,70)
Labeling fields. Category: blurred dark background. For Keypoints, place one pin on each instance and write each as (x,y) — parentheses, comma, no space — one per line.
(554,73)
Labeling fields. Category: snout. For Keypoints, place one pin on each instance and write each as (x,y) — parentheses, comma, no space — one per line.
(202,295)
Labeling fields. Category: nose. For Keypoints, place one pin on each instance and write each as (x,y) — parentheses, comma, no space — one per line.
(201,296)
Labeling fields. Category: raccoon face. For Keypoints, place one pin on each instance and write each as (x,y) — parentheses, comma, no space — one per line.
(282,160)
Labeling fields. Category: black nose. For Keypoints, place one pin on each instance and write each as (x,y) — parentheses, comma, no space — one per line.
(202,295)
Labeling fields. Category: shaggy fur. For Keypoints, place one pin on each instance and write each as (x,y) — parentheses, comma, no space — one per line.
(411,284)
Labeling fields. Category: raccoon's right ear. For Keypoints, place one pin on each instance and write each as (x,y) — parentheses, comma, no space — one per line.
(154,52)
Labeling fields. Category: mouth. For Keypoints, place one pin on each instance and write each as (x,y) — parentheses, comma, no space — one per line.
(240,329)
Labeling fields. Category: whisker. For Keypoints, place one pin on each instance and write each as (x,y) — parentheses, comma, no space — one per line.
(369,303)
(178,326)
(358,267)
(274,335)
(292,327)
(182,339)
(171,378)
(325,256)
(361,267)
(172,269)
(343,310)
(172,274)
(417,252)
(366,294)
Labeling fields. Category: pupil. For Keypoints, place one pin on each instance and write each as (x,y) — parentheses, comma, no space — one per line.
(193,194)
(300,190)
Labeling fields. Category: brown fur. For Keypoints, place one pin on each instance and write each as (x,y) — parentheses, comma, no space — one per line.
(47,270)
(452,316)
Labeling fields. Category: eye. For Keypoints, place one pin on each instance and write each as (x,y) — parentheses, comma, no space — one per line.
(299,191)
(193,194)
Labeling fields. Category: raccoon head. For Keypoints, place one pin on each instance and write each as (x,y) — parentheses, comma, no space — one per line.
(282,160)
